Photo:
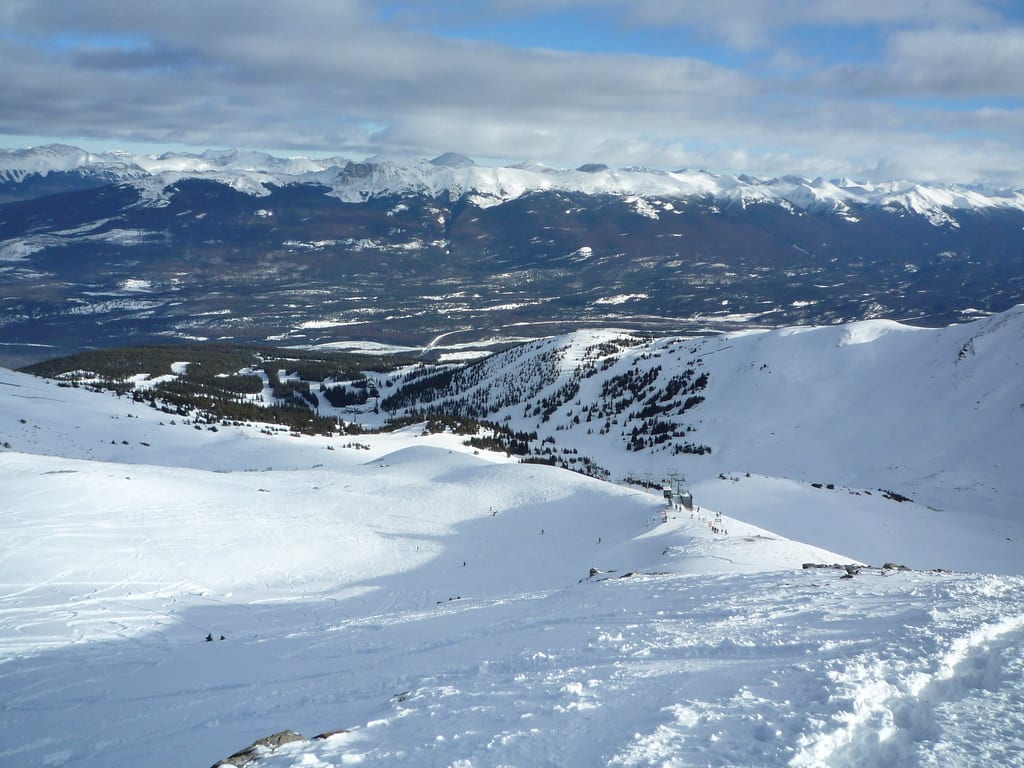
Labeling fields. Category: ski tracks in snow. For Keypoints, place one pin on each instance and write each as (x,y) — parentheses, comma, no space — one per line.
(907,710)
(785,669)
(843,675)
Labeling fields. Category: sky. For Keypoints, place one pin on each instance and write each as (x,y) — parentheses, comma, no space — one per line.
(872,90)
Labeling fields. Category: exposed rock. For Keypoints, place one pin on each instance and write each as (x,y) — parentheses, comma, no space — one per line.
(854,569)
(328,734)
(851,571)
(259,748)
(894,496)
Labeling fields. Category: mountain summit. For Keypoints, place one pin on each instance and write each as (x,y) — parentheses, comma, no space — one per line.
(453,160)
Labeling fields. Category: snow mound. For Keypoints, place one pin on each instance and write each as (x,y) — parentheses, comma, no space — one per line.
(867,331)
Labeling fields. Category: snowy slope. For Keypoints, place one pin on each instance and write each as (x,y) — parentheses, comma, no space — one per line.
(250,172)
(433,606)
(933,415)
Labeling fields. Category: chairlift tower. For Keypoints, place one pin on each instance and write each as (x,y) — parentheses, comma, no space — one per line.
(677,494)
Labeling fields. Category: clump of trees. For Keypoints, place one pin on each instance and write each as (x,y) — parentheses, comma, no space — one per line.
(221,383)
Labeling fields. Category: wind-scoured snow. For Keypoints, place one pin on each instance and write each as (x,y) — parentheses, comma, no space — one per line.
(252,172)
(419,603)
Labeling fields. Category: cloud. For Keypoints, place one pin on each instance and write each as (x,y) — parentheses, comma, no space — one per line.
(337,76)
(754,23)
(960,63)
(934,64)
(349,64)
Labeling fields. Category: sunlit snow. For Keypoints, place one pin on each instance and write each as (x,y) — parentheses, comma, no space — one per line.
(419,603)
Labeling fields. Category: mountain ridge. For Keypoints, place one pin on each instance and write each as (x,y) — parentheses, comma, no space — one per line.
(455,176)
(402,252)
(926,417)
(940,409)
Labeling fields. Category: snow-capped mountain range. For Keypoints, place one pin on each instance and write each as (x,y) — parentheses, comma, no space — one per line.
(455,176)
(170,594)
(110,249)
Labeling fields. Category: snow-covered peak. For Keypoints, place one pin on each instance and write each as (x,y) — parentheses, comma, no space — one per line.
(453,160)
(246,161)
(51,157)
(455,176)
(18,164)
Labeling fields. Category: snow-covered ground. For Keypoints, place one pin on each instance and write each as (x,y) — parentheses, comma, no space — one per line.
(433,606)
(881,440)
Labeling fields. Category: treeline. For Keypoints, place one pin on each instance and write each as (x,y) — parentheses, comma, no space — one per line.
(208,360)
(177,398)
(422,385)
(483,435)
(214,386)
(356,392)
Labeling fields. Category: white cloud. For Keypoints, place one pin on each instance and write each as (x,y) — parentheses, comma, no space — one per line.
(961,63)
(750,23)
(330,75)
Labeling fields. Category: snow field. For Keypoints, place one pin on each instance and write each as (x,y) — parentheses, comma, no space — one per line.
(868,527)
(345,604)
(757,669)
(136,530)
(439,607)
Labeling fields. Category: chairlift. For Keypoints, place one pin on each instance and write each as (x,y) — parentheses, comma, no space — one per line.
(683,499)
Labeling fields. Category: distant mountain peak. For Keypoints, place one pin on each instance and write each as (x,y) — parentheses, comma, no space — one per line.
(452,160)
